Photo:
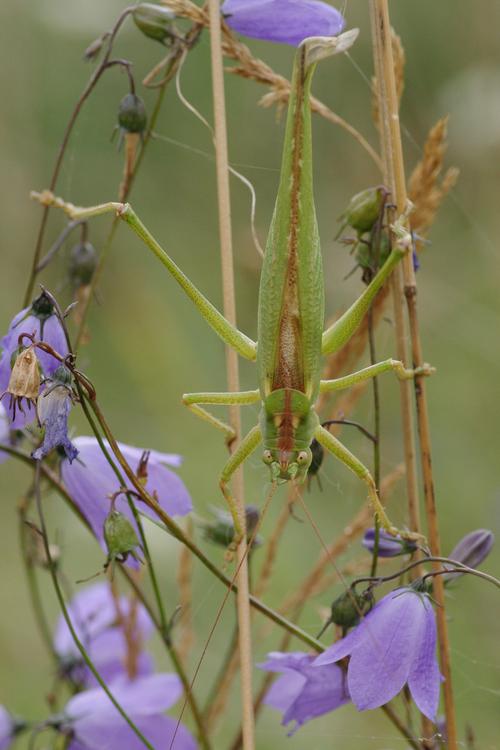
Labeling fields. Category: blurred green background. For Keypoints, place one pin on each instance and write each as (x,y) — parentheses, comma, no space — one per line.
(148,345)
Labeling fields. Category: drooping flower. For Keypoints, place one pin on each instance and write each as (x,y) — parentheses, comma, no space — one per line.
(471,550)
(53,406)
(282,21)
(100,621)
(91,482)
(40,320)
(94,723)
(394,645)
(7,728)
(388,545)
(304,691)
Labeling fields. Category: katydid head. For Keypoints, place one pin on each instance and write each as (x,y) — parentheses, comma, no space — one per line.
(288,464)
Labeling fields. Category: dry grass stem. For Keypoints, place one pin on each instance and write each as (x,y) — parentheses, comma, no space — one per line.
(425,189)
(399,57)
(131,143)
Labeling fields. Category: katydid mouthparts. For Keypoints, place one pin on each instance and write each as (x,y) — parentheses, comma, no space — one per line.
(291,340)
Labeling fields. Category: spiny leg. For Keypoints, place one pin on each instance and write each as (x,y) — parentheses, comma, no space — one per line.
(402,372)
(192,401)
(331,443)
(243,451)
(228,333)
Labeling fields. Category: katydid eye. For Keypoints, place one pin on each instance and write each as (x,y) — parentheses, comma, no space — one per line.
(267,457)
(303,457)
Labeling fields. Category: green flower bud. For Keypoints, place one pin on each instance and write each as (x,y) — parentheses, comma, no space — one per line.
(132,116)
(155,21)
(221,530)
(364,209)
(120,537)
(348,608)
(82,263)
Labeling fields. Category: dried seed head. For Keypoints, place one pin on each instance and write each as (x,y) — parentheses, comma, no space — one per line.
(155,21)
(25,376)
(82,264)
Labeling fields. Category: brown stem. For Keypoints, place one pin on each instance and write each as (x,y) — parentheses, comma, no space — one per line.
(393,156)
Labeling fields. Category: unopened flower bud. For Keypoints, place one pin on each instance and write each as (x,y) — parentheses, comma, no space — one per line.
(42,307)
(155,21)
(364,209)
(471,550)
(221,531)
(132,116)
(388,545)
(120,537)
(348,608)
(94,48)
(82,264)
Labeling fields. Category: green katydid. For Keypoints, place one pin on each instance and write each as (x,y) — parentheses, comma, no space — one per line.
(291,340)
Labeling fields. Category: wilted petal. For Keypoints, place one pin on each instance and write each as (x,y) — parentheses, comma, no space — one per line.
(90,481)
(53,407)
(282,21)
(425,679)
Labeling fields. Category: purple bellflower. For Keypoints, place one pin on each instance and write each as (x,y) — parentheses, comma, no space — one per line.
(40,320)
(7,728)
(304,691)
(389,545)
(53,407)
(95,617)
(282,21)
(4,432)
(394,645)
(471,550)
(91,482)
(94,723)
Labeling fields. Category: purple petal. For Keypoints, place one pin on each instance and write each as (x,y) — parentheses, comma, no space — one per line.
(381,660)
(282,21)
(471,550)
(425,679)
(4,432)
(6,728)
(145,696)
(341,648)
(99,733)
(54,406)
(389,546)
(108,652)
(284,691)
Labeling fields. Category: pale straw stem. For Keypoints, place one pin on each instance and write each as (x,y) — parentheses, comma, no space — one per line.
(393,156)
(222,167)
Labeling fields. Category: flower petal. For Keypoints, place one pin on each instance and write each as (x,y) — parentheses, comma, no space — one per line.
(425,679)
(341,648)
(284,691)
(381,661)
(99,733)
(282,21)
(324,691)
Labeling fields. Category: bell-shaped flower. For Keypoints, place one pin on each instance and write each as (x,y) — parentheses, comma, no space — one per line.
(113,632)
(388,545)
(53,406)
(393,646)
(7,728)
(40,320)
(93,722)
(304,691)
(4,432)
(92,483)
(282,21)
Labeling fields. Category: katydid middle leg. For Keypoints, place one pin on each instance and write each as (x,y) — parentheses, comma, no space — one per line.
(335,447)
(241,398)
(402,373)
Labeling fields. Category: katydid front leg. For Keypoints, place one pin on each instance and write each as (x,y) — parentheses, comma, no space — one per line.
(333,445)
(402,373)
(227,332)
(247,446)
(242,398)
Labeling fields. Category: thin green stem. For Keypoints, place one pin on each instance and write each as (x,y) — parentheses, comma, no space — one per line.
(67,618)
